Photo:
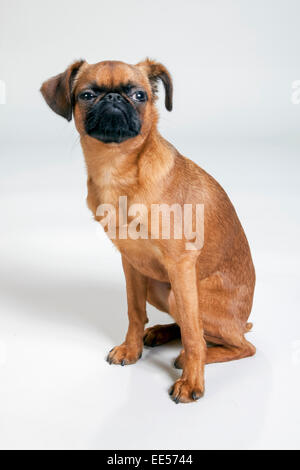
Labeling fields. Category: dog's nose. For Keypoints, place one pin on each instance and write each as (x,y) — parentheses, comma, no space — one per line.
(114,97)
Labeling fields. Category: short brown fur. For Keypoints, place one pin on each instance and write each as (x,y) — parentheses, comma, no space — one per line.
(208,292)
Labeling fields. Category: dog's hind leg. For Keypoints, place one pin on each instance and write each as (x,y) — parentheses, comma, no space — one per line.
(225,313)
(230,353)
(230,349)
(161,334)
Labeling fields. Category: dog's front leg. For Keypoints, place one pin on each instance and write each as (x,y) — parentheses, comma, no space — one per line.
(136,287)
(184,303)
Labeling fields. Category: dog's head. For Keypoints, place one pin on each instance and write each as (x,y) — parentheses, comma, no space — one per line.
(111,101)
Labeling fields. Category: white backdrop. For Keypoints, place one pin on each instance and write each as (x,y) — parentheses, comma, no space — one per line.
(61,286)
(233,61)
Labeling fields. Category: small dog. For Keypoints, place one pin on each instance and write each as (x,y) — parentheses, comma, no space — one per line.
(208,290)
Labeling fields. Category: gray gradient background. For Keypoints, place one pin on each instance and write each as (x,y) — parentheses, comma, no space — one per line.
(62,298)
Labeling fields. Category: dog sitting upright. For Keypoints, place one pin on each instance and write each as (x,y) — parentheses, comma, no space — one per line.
(207,288)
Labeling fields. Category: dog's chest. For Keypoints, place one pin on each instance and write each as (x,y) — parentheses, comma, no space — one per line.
(108,199)
(145,256)
(111,183)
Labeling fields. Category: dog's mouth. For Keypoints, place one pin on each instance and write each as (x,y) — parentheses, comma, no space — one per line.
(113,124)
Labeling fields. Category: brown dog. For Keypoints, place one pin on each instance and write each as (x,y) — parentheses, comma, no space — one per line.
(208,290)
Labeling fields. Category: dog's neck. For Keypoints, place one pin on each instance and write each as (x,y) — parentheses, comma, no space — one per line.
(130,168)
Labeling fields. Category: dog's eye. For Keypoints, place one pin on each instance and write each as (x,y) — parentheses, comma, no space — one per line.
(87,96)
(139,96)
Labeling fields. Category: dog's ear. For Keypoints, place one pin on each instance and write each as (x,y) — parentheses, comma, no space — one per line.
(156,71)
(57,91)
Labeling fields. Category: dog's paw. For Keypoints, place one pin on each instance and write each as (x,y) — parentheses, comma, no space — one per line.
(179,361)
(184,392)
(160,334)
(123,355)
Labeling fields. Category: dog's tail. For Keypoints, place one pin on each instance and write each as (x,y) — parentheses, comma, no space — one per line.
(249,327)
